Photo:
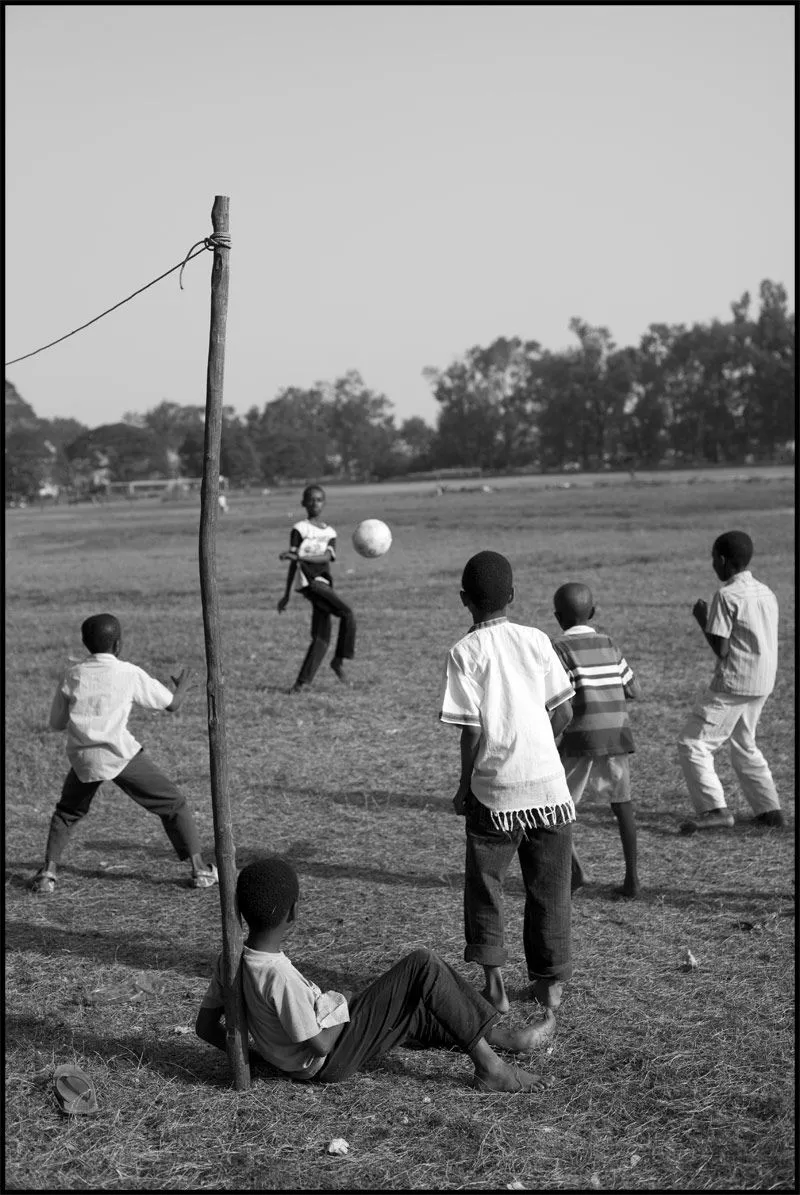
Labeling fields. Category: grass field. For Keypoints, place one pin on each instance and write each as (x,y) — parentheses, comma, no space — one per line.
(664,1079)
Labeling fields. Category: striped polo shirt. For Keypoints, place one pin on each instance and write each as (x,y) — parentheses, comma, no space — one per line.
(598,673)
(745,612)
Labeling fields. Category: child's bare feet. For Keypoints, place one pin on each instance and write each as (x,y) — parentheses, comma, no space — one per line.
(525,1039)
(548,992)
(579,877)
(510,1078)
(338,668)
(495,990)
(630,889)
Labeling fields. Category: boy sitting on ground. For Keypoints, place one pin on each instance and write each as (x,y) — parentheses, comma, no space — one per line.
(325,1037)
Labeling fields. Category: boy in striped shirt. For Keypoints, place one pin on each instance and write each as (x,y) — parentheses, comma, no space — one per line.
(595,746)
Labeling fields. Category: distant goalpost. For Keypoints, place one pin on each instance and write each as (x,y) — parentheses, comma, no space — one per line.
(160,485)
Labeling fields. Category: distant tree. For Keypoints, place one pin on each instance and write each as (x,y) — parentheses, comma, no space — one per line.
(414,443)
(291,436)
(586,392)
(191,451)
(489,401)
(34,448)
(28,462)
(62,432)
(169,420)
(772,411)
(361,427)
(18,413)
(238,459)
(132,453)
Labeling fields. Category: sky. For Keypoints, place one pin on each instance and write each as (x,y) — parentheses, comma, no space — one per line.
(405,183)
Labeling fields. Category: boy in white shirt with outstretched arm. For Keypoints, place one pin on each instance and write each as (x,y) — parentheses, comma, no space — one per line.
(92,703)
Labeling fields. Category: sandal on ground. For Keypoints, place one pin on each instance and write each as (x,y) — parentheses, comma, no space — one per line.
(44,882)
(74,1091)
(205,879)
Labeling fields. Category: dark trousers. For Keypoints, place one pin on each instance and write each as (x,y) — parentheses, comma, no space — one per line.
(420,1001)
(327,605)
(147,786)
(545,859)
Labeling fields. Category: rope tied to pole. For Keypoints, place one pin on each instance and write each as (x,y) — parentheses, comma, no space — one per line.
(215,241)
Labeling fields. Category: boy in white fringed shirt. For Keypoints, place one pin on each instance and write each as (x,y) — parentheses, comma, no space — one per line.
(507,689)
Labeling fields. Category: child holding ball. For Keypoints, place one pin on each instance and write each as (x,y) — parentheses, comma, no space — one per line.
(312,549)
(505,687)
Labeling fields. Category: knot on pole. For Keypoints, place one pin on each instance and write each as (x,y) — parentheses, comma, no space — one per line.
(217,240)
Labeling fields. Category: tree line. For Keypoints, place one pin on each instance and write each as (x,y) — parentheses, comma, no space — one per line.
(716,393)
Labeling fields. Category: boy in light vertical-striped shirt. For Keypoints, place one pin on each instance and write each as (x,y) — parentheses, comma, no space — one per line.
(741,627)
(595,746)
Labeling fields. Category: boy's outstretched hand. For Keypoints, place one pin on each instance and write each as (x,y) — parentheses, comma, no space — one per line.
(282,604)
(181,683)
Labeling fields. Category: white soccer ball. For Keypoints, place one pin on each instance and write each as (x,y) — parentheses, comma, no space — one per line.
(372,538)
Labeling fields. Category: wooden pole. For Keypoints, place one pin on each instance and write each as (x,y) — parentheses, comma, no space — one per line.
(235,1022)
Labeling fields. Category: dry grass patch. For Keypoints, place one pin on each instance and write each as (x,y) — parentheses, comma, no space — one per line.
(665,1079)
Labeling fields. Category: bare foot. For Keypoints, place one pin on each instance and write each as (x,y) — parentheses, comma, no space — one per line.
(548,992)
(579,879)
(495,990)
(630,889)
(338,668)
(508,1078)
(525,1039)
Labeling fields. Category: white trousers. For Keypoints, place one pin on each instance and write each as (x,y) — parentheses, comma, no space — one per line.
(719,718)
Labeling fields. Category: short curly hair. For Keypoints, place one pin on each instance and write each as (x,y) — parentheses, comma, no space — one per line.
(265,892)
(487,581)
(100,633)
(735,546)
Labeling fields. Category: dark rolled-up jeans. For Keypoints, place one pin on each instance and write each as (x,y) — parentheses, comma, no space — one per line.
(545,859)
(147,786)
(420,1001)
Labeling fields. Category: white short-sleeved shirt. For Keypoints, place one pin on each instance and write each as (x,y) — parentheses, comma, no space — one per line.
(93,702)
(504,679)
(283,1009)
(311,540)
(745,612)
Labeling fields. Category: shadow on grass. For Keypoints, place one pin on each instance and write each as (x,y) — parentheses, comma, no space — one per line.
(19,879)
(194,1065)
(116,847)
(734,901)
(378,798)
(191,1061)
(371,875)
(143,952)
